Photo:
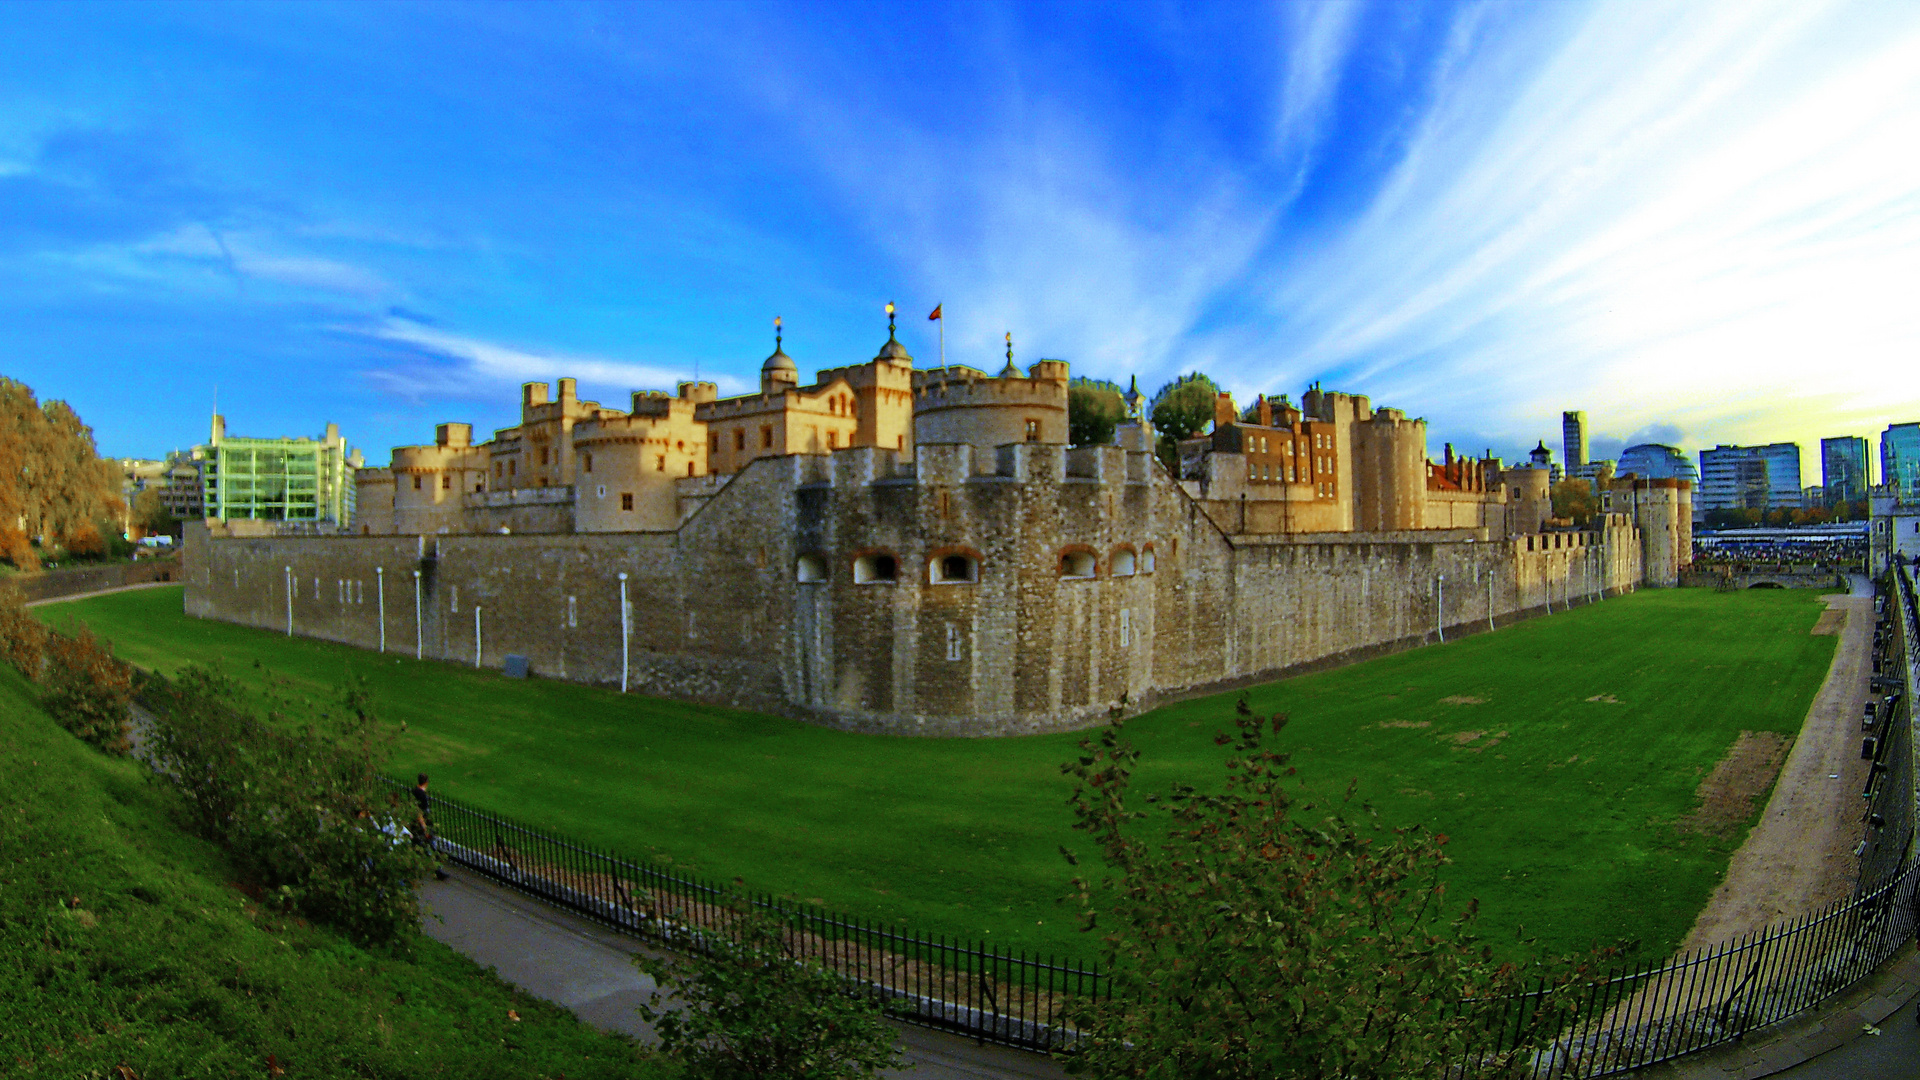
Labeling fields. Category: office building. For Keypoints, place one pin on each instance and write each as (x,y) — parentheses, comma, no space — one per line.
(1573,436)
(1657,461)
(1900,461)
(296,480)
(1843,469)
(1749,478)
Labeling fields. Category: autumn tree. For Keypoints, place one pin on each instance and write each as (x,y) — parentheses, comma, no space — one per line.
(1095,408)
(54,486)
(1252,933)
(1573,499)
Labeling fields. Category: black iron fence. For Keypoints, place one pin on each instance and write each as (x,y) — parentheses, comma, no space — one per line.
(1889,819)
(1635,1017)
(999,995)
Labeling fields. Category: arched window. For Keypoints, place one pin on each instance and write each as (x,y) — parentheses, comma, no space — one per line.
(1122,562)
(810,568)
(878,568)
(954,568)
(1078,563)
(1146,559)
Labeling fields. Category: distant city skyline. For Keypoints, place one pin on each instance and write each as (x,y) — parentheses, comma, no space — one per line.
(1694,222)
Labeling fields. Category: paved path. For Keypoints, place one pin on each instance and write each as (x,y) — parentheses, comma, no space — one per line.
(586,968)
(1800,855)
(101,592)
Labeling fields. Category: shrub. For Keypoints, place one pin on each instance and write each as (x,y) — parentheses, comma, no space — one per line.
(88,690)
(749,1008)
(18,550)
(303,809)
(23,641)
(1252,938)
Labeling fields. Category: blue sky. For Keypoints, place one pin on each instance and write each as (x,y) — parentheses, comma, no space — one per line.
(1698,222)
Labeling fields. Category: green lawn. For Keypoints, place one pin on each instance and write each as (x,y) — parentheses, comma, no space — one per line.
(1562,826)
(122,943)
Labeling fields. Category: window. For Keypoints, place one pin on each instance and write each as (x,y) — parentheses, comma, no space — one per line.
(416,483)
(1078,564)
(766,437)
(953,642)
(1146,559)
(586,462)
(833,440)
(496,470)
(1123,563)
(689,468)
(1033,431)
(446,482)
(810,568)
(954,569)
(739,440)
(877,569)
(543,455)
(600,491)
(660,463)
(513,467)
(626,500)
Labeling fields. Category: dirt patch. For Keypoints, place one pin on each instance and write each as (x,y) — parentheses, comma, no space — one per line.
(1462,699)
(1832,621)
(1462,738)
(1744,776)
(1402,724)
(1605,699)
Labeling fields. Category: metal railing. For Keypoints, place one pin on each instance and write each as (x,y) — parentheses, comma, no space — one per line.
(1888,836)
(999,995)
(1635,1017)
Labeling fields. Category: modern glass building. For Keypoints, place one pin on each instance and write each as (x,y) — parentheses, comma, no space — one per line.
(307,480)
(1843,469)
(1900,461)
(1749,478)
(1657,461)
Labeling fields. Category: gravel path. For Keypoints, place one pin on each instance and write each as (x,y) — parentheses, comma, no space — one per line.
(1800,856)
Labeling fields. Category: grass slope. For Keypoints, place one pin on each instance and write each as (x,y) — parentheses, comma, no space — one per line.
(121,944)
(1563,826)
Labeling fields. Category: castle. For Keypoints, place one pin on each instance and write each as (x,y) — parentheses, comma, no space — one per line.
(920,551)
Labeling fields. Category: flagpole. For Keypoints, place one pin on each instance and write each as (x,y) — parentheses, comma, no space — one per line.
(943,337)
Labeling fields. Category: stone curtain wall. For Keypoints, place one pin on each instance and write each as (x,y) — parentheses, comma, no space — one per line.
(718,612)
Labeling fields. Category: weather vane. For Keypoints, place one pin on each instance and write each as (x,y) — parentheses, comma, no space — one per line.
(776,333)
(1009,346)
(889,318)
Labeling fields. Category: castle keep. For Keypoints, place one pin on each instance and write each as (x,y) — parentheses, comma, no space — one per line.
(919,551)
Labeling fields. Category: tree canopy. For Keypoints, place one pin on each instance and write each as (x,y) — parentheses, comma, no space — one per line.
(1184,407)
(1095,408)
(1573,498)
(54,486)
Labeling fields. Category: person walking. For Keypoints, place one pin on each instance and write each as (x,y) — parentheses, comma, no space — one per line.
(423,824)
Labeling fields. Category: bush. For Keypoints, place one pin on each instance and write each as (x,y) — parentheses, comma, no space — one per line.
(304,811)
(1253,938)
(18,550)
(749,1008)
(88,690)
(23,641)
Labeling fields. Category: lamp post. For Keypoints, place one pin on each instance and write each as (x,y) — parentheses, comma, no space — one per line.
(476,635)
(419,634)
(626,630)
(289,571)
(1440,607)
(380,597)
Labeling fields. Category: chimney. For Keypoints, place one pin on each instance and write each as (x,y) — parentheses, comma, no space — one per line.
(1223,414)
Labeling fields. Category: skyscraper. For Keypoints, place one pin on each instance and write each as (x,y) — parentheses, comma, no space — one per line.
(1900,461)
(1573,435)
(1843,469)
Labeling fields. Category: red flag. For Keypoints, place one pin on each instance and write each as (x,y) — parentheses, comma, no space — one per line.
(936,312)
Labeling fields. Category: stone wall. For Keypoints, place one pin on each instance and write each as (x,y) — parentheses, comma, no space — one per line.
(1033,587)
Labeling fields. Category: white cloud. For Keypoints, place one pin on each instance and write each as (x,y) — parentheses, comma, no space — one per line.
(1707,216)
(481,368)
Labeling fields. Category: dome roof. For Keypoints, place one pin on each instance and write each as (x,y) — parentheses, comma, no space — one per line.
(893,350)
(1011,371)
(780,361)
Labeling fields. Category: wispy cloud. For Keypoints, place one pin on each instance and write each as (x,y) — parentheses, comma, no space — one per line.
(440,363)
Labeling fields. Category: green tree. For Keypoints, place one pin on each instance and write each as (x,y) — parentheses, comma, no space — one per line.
(742,1005)
(1095,408)
(1252,935)
(151,515)
(57,484)
(1180,410)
